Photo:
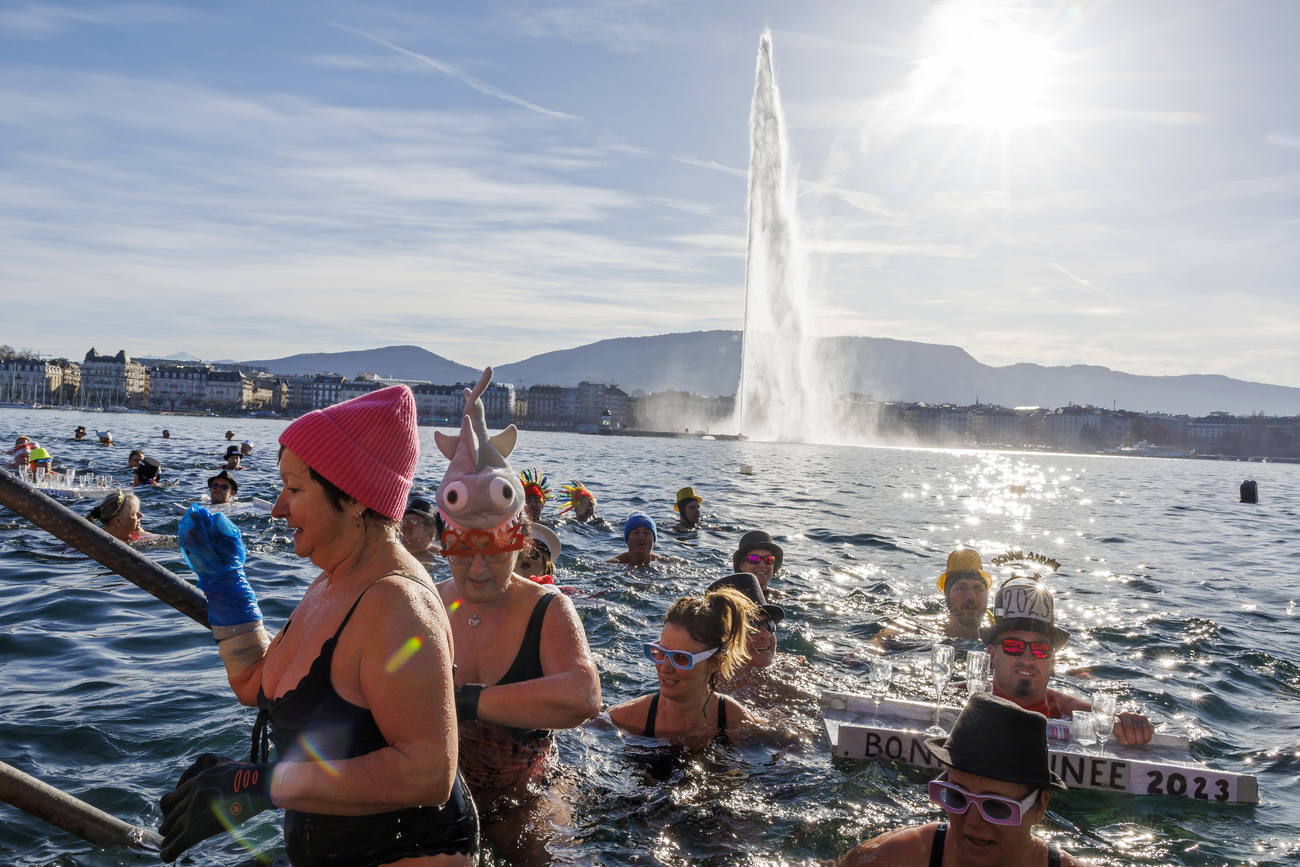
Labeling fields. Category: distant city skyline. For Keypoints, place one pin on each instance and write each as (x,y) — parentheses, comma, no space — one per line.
(1067,183)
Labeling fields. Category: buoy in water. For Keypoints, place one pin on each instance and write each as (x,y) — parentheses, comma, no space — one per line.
(746,470)
(1249,491)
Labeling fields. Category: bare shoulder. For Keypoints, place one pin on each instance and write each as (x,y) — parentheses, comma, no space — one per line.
(904,847)
(631,715)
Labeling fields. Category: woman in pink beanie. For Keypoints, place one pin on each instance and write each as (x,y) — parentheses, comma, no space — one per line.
(355,691)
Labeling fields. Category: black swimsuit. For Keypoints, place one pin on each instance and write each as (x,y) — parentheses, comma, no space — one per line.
(654,712)
(496,758)
(936,849)
(312,722)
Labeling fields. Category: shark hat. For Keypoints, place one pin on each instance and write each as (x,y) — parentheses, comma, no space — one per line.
(480,498)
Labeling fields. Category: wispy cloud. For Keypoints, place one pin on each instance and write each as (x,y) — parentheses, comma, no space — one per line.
(710,164)
(41,20)
(473,81)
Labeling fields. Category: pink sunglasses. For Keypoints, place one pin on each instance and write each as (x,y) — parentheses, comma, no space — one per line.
(996,809)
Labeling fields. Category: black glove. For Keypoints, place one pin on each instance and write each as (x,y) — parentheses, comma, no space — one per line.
(213,795)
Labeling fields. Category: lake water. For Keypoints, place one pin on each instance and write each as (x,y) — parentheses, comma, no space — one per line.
(1179,597)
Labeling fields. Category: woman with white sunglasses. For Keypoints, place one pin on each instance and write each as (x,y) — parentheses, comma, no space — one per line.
(702,642)
(996,785)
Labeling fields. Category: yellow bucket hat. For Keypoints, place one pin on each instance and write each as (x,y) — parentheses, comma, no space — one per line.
(964,560)
(686,494)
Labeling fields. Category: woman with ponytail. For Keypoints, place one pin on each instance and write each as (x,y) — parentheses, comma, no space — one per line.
(703,641)
(119,515)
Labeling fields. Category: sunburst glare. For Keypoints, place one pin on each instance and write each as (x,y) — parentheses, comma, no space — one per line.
(403,654)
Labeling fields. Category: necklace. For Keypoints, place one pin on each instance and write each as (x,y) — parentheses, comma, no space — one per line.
(474,618)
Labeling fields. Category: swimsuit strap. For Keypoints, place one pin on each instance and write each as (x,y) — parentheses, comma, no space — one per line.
(936,848)
(650,717)
(1053,856)
(261,726)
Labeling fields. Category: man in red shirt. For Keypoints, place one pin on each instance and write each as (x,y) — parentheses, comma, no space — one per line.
(1022,644)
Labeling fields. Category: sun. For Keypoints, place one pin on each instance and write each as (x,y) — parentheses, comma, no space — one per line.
(981,65)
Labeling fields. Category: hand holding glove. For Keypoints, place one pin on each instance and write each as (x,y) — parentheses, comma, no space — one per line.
(213,548)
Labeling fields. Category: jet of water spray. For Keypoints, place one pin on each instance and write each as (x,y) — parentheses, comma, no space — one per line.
(781,398)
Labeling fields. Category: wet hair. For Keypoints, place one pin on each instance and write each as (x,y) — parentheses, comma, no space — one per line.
(718,619)
(335,495)
(135,453)
(111,506)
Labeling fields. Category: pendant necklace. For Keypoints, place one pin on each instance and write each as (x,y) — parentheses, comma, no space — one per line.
(473,618)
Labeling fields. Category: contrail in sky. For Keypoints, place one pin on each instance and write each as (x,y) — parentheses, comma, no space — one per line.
(477,83)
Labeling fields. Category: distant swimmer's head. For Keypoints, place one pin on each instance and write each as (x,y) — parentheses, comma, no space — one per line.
(39,459)
(762,635)
(166,434)
(20,443)
(639,532)
(119,514)
(222,487)
(420,525)
(965,587)
(758,555)
(536,492)
(246,448)
(232,457)
(133,459)
(581,501)
(105,437)
(146,471)
(688,506)
(230,435)
(80,433)
(537,561)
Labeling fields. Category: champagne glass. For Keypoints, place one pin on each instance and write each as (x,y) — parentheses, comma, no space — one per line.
(1103,716)
(940,673)
(977,672)
(882,672)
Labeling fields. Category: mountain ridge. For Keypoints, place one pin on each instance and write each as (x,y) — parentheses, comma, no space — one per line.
(708,363)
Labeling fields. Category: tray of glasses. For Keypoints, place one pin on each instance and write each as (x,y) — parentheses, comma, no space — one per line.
(895,730)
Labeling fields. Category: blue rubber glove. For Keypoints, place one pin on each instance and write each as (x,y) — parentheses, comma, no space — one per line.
(214,795)
(212,546)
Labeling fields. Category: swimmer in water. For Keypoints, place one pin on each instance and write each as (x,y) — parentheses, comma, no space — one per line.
(222,488)
(246,448)
(230,435)
(119,515)
(536,493)
(688,508)
(166,434)
(703,642)
(79,435)
(996,785)
(965,587)
(764,680)
(537,561)
(420,528)
(147,472)
(640,535)
(133,459)
(758,555)
(105,437)
(232,459)
(1023,642)
(581,502)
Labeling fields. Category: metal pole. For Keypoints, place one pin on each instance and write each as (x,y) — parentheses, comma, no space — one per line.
(72,815)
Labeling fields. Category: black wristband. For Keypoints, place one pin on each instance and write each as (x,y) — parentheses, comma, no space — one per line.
(467,701)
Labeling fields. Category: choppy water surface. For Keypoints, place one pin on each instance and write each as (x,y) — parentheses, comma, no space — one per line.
(1179,597)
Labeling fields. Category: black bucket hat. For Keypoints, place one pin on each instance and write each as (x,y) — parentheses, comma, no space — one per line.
(1024,604)
(225,476)
(748,585)
(232,450)
(753,540)
(995,738)
(422,506)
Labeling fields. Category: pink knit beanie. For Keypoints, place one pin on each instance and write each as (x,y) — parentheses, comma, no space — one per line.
(367,447)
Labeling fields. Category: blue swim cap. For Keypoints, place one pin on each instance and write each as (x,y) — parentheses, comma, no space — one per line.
(639,519)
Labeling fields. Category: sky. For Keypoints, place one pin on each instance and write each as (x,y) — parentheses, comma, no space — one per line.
(1106,183)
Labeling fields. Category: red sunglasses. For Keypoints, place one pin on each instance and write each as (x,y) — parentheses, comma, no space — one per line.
(1016,647)
(769,559)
